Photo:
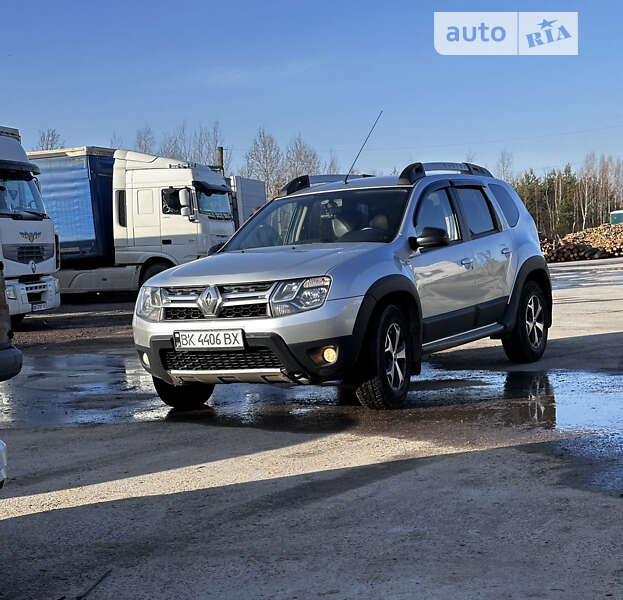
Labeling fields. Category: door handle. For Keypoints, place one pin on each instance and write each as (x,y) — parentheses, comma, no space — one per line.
(506,251)
(167,242)
(467,263)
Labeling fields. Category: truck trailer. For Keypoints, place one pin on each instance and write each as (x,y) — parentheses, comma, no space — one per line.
(124,216)
(28,241)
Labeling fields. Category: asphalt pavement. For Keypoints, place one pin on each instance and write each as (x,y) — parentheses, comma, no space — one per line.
(496,481)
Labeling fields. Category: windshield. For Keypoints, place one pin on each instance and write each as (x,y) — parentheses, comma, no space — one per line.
(213,203)
(359,215)
(19,195)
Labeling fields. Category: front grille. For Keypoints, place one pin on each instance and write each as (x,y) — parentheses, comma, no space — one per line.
(24,254)
(187,360)
(179,313)
(244,311)
(245,288)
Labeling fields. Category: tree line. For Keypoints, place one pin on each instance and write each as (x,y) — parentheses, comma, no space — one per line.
(567,200)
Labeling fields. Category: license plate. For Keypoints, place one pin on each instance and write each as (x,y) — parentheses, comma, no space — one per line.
(208,340)
(38,307)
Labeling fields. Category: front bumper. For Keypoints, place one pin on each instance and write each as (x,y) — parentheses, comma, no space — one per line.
(290,342)
(33,296)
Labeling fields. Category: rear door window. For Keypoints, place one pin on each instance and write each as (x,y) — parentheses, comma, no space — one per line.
(477,211)
(506,202)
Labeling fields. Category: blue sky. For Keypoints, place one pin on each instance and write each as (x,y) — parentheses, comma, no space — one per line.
(323,69)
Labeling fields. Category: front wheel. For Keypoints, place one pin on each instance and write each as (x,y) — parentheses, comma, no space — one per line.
(183,397)
(527,342)
(389,360)
(16,320)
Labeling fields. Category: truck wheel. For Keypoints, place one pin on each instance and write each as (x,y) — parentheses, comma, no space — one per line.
(389,358)
(153,269)
(16,320)
(183,397)
(527,341)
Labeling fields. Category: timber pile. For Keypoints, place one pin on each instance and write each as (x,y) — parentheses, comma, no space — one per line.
(605,241)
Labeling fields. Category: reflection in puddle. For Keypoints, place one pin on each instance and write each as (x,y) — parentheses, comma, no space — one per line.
(59,391)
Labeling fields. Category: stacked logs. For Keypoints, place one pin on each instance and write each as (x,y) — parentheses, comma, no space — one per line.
(605,241)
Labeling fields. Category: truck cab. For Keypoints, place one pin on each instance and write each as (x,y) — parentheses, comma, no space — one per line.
(29,245)
(124,216)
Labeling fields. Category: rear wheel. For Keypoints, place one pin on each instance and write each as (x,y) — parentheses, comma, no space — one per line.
(527,341)
(388,359)
(16,320)
(183,397)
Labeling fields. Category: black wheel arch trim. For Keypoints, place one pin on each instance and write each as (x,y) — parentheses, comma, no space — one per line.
(533,265)
(379,290)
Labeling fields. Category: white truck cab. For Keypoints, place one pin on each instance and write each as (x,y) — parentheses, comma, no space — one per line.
(29,246)
(124,216)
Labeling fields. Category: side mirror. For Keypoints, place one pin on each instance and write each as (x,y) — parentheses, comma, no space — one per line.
(431,237)
(214,249)
(185,198)
(185,211)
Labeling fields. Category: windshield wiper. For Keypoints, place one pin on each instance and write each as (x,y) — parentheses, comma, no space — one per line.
(34,212)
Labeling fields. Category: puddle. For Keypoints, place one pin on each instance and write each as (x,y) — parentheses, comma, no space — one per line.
(80,389)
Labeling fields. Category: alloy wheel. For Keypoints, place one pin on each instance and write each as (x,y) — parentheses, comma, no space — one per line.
(535,321)
(395,357)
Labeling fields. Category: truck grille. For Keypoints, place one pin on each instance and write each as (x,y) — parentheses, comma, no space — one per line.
(253,358)
(24,254)
(236,301)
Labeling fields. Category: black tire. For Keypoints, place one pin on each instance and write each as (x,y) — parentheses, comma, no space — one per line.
(528,340)
(154,269)
(390,367)
(183,397)
(16,320)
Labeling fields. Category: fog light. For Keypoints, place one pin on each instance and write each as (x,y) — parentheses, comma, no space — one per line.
(145,358)
(329,354)
(10,293)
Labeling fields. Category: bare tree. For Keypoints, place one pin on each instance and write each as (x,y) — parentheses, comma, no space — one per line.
(332,166)
(470,156)
(49,139)
(264,160)
(116,141)
(145,140)
(505,166)
(300,159)
(205,141)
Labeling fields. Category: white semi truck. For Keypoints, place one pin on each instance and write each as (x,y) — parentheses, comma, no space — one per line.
(28,241)
(123,216)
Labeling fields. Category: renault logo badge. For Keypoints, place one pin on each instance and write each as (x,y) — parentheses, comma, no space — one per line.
(33,266)
(209,301)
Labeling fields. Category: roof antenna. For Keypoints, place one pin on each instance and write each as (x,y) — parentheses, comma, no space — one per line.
(360,149)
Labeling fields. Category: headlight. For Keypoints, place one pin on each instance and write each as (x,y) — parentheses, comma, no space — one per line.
(298,295)
(149,303)
(10,293)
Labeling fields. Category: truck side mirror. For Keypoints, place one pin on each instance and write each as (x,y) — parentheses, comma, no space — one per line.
(185,211)
(185,198)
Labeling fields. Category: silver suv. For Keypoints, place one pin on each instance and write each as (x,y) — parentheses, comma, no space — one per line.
(353,281)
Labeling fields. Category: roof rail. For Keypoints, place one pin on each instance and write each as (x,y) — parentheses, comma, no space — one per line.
(306,181)
(415,171)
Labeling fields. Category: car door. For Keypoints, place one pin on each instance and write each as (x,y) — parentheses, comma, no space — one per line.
(443,276)
(490,247)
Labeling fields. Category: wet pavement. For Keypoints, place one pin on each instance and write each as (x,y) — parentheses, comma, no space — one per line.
(58,390)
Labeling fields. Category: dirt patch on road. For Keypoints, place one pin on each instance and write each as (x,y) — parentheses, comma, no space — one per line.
(88,326)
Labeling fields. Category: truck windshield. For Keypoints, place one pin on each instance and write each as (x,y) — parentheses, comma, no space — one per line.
(19,196)
(358,215)
(213,203)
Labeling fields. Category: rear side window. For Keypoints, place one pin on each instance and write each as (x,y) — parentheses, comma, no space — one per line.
(476,210)
(506,202)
